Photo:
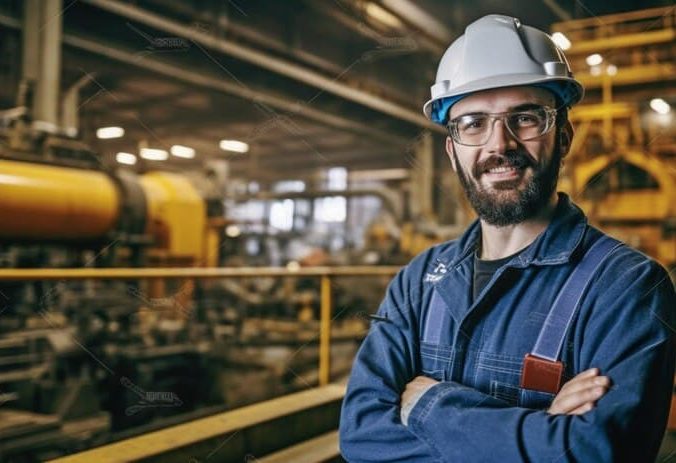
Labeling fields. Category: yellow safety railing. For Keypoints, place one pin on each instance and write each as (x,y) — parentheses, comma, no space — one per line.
(324,273)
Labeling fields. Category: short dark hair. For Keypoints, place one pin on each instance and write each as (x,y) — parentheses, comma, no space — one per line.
(561,116)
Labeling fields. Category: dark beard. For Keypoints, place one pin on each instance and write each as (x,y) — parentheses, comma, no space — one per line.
(536,194)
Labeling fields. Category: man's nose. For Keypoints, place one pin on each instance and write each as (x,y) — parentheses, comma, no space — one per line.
(501,140)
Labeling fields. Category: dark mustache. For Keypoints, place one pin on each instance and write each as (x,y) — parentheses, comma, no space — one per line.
(510,159)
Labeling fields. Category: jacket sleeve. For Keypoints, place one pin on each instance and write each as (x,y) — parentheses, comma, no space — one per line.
(370,427)
(628,335)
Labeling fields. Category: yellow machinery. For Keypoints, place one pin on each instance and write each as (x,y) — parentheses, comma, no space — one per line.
(621,169)
(176,215)
(50,203)
(637,216)
(47,202)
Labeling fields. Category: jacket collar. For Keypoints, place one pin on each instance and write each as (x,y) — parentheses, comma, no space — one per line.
(553,246)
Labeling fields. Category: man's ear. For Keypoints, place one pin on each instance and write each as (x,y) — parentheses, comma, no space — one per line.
(449,151)
(565,138)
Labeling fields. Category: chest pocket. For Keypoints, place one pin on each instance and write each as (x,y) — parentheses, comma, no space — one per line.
(500,375)
(535,399)
(436,360)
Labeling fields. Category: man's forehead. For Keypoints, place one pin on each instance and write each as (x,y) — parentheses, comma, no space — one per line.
(502,99)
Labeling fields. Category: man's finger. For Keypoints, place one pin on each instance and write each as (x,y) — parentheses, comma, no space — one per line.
(592,372)
(567,403)
(585,383)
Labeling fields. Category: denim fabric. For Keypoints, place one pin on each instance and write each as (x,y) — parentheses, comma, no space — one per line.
(478,412)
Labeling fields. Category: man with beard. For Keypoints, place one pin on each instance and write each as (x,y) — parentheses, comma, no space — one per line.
(534,336)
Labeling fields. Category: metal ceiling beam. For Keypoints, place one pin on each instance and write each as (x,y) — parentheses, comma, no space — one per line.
(293,158)
(200,79)
(275,168)
(420,19)
(168,100)
(310,138)
(365,29)
(265,61)
(249,33)
(562,14)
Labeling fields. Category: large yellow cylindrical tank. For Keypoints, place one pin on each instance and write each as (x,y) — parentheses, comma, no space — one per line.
(41,202)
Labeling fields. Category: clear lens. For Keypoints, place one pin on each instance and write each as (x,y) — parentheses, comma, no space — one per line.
(476,129)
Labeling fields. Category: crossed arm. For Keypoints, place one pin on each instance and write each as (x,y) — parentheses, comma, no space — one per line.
(452,422)
(577,397)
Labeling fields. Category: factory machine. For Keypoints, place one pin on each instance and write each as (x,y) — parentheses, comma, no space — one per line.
(60,209)
(621,167)
(78,358)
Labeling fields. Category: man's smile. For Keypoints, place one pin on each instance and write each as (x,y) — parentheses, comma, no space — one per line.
(504,173)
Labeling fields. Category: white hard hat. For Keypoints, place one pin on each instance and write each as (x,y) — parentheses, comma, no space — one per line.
(498,51)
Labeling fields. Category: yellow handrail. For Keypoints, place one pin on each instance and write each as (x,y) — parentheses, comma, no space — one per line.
(190,272)
(325,273)
(157,445)
(325,332)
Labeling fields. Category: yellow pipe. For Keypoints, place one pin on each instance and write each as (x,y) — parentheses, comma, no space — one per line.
(640,39)
(325,332)
(654,15)
(190,272)
(592,112)
(638,74)
(55,203)
(607,93)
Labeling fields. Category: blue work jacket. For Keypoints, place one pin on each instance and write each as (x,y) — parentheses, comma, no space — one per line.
(478,413)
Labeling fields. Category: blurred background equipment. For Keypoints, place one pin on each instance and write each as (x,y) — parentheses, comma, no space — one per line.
(256,172)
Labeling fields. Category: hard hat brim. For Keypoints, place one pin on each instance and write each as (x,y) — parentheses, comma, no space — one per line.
(571,91)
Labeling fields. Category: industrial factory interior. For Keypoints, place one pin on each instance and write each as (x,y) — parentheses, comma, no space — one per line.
(203,202)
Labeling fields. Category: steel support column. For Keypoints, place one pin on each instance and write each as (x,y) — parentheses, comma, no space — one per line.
(46,102)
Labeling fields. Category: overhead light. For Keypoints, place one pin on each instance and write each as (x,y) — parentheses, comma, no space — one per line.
(126,158)
(594,60)
(611,70)
(380,14)
(105,133)
(153,154)
(660,106)
(232,231)
(182,151)
(234,145)
(595,70)
(561,40)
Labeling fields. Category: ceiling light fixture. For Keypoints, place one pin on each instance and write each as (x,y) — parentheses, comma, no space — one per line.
(561,40)
(153,154)
(234,145)
(126,158)
(660,106)
(594,60)
(105,133)
(181,151)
